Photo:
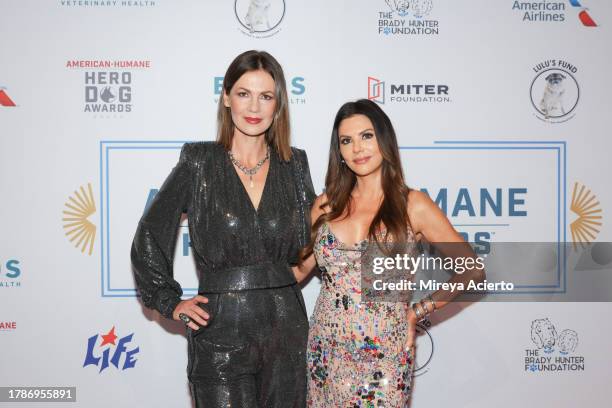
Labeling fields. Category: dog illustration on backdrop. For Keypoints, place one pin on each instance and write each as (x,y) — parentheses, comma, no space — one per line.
(401,6)
(257,15)
(421,8)
(552,100)
(568,340)
(543,334)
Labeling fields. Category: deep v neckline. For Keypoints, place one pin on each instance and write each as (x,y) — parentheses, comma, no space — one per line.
(243,187)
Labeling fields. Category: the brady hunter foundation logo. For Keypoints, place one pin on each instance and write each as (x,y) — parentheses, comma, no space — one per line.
(105,4)
(79,207)
(296,89)
(112,351)
(407,17)
(108,86)
(554,351)
(10,271)
(407,93)
(551,11)
(5,99)
(554,91)
(587,209)
(7,326)
(259,18)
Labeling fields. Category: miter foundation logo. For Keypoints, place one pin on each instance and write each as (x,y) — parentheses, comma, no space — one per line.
(407,92)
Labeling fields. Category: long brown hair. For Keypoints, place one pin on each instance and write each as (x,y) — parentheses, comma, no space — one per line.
(340,180)
(278,135)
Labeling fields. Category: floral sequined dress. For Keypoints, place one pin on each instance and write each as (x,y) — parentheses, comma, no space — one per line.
(356,355)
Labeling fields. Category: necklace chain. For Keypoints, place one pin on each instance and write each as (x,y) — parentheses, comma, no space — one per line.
(252,171)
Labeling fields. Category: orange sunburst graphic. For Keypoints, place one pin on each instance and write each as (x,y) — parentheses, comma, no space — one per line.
(78,228)
(586,227)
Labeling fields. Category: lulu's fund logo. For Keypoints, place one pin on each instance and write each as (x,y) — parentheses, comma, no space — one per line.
(259,18)
(588,211)
(554,351)
(108,340)
(80,231)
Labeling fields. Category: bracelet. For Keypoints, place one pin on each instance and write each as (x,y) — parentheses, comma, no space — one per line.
(433,304)
(417,312)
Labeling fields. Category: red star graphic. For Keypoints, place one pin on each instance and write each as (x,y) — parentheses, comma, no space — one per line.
(109,338)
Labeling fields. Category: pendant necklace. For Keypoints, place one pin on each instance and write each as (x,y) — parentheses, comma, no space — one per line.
(250,172)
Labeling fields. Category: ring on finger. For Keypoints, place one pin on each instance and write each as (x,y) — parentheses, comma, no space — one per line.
(186,319)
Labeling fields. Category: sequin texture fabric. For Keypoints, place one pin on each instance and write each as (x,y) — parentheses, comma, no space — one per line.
(356,355)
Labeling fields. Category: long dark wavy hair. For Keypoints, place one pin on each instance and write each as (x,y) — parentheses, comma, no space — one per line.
(340,179)
(278,135)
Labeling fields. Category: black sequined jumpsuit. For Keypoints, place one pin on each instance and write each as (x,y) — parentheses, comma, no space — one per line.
(252,353)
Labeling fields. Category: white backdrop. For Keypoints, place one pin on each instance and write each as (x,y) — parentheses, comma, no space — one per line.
(102,94)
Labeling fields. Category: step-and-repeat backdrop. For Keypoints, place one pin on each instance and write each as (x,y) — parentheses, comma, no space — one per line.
(502,110)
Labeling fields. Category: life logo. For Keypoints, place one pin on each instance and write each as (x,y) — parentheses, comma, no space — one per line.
(259,18)
(408,92)
(554,351)
(122,357)
(297,90)
(551,11)
(5,99)
(10,271)
(554,90)
(407,18)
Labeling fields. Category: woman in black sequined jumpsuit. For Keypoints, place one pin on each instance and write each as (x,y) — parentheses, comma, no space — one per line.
(247,347)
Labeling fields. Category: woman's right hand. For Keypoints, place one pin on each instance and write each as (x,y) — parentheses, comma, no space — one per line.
(190,308)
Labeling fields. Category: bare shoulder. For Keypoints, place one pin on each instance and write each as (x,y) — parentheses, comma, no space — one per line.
(418,202)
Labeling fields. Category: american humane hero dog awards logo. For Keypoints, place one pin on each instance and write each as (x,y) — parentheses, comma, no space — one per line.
(554,91)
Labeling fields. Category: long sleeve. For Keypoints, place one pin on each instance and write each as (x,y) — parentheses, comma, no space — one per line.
(310,194)
(306,196)
(155,240)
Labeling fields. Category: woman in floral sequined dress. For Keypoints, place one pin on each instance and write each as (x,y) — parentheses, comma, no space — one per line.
(361,354)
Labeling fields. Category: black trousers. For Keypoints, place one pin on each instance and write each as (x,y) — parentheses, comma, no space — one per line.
(253,351)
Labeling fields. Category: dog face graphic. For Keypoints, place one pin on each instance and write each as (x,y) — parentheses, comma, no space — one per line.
(401,6)
(552,99)
(257,15)
(543,334)
(421,8)
(568,340)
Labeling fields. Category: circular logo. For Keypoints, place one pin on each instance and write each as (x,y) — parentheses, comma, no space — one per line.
(424,349)
(554,94)
(259,16)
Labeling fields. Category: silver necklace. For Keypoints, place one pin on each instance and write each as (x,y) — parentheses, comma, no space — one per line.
(249,172)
